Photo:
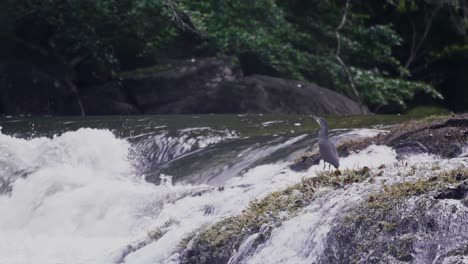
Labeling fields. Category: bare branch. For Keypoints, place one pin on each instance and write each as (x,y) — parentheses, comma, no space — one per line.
(181,19)
(413,41)
(74,89)
(78,59)
(415,49)
(351,82)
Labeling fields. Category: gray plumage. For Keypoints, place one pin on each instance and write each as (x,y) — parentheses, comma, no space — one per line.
(326,148)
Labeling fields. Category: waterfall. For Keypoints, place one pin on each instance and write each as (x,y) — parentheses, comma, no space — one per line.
(82,197)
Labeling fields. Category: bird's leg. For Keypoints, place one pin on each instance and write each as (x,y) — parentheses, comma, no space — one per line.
(324,165)
(329,167)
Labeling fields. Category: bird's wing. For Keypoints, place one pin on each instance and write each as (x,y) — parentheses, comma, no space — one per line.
(328,152)
(335,153)
(333,148)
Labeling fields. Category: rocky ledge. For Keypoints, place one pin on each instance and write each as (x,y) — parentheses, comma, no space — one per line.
(445,136)
(422,221)
(209,85)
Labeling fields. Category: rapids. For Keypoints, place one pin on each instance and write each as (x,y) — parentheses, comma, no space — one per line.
(88,195)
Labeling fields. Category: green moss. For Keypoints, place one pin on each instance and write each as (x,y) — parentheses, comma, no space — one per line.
(259,212)
(379,204)
(216,243)
(435,166)
(353,218)
(386,226)
(431,111)
(339,178)
(158,232)
(378,223)
(405,189)
(153,235)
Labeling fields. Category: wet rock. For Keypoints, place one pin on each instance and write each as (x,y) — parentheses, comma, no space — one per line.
(458,255)
(458,193)
(404,224)
(306,162)
(409,148)
(445,136)
(151,237)
(5,187)
(245,232)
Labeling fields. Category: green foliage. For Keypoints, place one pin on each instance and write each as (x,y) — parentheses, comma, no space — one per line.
(293,39)
(256,27)
(377,88)
(85,28)
(297,39)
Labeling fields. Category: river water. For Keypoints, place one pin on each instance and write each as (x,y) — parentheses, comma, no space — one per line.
(76,190)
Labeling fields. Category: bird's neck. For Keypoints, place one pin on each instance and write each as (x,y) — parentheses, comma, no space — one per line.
(323,133)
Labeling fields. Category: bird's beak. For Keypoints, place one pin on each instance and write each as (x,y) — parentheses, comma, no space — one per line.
(316,119)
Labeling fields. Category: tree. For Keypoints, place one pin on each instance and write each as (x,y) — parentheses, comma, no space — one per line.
(292,39)
(297,39)
(76,31)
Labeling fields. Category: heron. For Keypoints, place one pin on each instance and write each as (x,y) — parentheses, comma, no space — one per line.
(326,148)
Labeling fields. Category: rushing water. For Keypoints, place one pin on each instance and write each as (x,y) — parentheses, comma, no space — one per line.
(81,190)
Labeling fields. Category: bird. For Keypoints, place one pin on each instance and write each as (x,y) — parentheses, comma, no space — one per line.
(327,149)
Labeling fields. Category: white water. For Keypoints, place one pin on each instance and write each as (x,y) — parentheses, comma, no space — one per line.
(162,147)
(302,239)
(81,203)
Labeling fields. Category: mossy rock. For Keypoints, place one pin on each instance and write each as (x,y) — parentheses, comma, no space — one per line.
(456,255)
(439,135)
(408,222)
(428,111)
(219,242)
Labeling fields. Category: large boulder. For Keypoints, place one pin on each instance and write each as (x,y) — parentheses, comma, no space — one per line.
(265,94)
(211,86)
(197,86)
(177,87)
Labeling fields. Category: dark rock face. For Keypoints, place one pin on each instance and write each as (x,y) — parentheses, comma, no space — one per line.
(443,137)
(211,86)
(181,89)
(202,86)
(264,94)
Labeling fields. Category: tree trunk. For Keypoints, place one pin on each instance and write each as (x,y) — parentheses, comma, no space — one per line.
(74,89)
(354,93)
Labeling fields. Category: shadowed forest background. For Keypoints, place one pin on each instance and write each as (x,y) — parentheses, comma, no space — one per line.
(180,56)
